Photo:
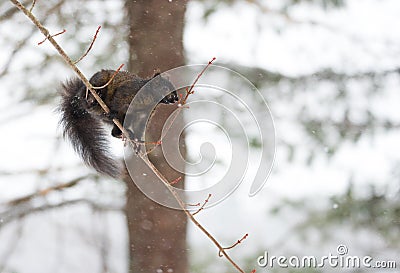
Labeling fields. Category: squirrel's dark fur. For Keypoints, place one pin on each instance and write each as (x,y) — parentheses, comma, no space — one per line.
(82,117)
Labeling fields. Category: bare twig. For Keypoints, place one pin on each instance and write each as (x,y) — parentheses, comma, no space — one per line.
(202,206)
(111,79)
(59,33)
(118,124)
(90,47)
(32,6)
(46,191)
(190,90)
(235,244)
(182,105)
(23,210)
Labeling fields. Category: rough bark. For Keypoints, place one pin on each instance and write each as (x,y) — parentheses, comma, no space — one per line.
(157,234)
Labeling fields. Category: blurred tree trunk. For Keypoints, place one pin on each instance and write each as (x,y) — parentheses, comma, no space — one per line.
(157,234)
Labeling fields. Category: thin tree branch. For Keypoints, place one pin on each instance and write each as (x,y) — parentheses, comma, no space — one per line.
(111,79)
(32,6)
(44,192)
(181,105)
(202,206)
(235,244)
(90,46)
(54,35)
(23,210)
(190,90)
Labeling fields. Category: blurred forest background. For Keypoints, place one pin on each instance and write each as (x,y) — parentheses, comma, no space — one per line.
(329,70)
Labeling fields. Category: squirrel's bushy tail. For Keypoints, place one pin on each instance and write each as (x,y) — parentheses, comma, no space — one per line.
(85,131)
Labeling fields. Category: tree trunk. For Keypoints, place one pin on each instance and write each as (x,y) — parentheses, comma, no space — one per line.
(157,234)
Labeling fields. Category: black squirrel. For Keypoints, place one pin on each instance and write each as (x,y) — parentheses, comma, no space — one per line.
(82,117)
